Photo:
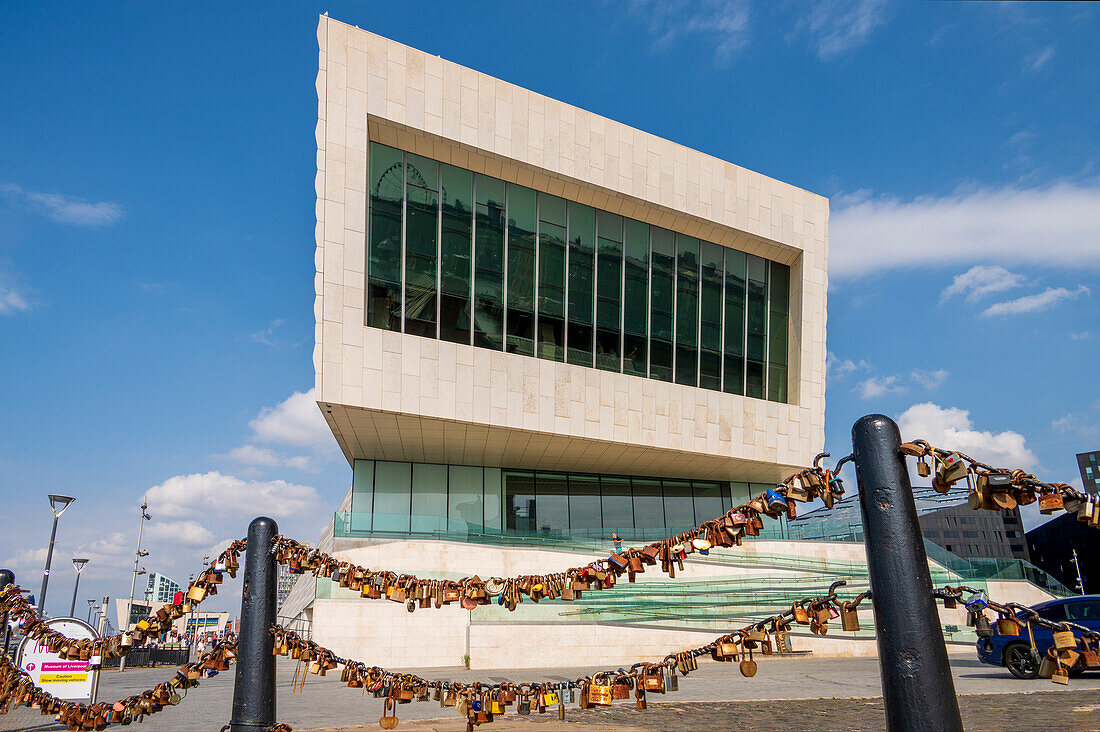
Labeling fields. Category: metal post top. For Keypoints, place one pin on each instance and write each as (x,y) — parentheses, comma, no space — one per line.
(263,522)
(6,577)
(874,423)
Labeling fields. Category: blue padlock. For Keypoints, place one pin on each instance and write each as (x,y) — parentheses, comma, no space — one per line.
(776,502)
(978,601)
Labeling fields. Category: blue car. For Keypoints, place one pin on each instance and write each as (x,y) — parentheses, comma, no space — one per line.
(1012,651)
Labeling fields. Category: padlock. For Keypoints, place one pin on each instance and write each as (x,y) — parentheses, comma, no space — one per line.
(1008,625)
(982,626)
(977,601)
(776,503)
(849,618)
(1050,502)
(1064,640)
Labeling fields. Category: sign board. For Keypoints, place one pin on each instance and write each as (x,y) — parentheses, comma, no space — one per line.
(70,680)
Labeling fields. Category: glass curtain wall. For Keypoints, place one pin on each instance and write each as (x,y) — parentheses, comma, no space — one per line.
(422,244)
(551,316)
(471,259)
(636,299)
(582,266)
(429,498)
(609,291)
(488,262)
(456,263)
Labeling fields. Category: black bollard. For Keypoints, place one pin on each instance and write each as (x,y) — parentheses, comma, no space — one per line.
(7,577)
(917,689)
(254,683)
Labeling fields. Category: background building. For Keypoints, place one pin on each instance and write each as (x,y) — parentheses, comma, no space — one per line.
(1052,546)
(284,584)
(945,520)
(1090,471)
(161,589)
(537,326)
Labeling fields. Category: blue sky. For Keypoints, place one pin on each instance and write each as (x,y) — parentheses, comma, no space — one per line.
(157,216)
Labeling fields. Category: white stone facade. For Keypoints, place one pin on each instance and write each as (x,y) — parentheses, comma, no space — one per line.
(398,397)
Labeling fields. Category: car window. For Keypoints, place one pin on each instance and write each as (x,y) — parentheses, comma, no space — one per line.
(1083,610)
(1053,612)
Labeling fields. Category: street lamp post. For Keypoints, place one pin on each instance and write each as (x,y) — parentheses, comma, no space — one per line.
(78,565)
(91,603)
(58,504)
(133,579)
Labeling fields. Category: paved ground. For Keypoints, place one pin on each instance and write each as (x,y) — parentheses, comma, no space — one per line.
(800,693)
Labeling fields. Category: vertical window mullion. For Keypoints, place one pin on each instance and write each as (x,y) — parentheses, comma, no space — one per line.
(404,246)
(473,273)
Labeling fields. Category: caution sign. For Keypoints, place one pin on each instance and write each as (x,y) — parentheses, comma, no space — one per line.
(65,679)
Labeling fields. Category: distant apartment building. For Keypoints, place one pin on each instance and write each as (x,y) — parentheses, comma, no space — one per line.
(1090,471)
(945,520)
(160,588)
(285,583)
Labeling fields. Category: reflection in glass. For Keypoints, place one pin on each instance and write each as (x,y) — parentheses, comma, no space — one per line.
(582,254)
(551,315)
(470,259)
(421,244)
(679,511)
(609,277)
(551,502)
(757,320)
(464,497)
(710,316)
(492,499)
(778,300)
(618,505)
(636,299)
(708,499)
(362,494)
(392,496)
(489,263)
(455,260)
(429,497)
(584,504)
(521,270)
(687,309)
(387,177)
(649,506)
(662,280)
(733,361)
(519,501)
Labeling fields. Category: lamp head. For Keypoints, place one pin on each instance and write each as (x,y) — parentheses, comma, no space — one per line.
(58,503)
(78,564)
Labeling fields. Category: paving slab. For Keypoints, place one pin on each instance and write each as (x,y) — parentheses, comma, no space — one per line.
(786,693)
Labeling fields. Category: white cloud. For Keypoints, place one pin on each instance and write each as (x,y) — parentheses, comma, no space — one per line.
(1051,226)
(219,495)
(950,428)
(981,280)
(188,533)
(929,379)
(64,209)
(1073,424)
(1034,303)
(725,23)
(12,301)
(838,26)
(294,421)
(252,455)
(266,336)
(877,386)
(265,457)
(1035,62)
(1082,336)
(842,367)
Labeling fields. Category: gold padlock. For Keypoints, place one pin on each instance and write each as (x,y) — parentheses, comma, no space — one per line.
(1064,640)
(1008,626)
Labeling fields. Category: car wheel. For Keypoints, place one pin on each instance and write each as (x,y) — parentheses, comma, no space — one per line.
(1020,663)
